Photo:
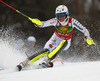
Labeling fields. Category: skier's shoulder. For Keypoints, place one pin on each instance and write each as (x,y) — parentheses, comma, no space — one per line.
(73,19)
(52,19)
(69,19)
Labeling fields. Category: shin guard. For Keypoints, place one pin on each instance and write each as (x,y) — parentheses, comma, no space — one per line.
(57,50)
(38,55)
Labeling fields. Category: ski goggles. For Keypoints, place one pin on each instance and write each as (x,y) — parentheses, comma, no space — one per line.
(61,15)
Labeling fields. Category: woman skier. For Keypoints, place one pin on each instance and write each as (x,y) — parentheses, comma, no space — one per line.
(60,40)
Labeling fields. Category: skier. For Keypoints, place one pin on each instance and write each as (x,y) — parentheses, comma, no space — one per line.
(60,40)
(29,45)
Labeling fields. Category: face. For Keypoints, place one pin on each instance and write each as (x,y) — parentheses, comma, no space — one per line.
(61,16)
(61,19)
(20,45)
(32,44)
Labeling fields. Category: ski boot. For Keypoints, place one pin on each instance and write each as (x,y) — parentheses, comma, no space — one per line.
(46,64)
(22,65)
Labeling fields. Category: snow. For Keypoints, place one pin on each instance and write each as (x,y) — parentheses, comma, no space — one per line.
(77,71)
(82,71)
(9,57)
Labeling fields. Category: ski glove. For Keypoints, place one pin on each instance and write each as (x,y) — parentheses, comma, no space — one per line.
(89,40)
(36,21)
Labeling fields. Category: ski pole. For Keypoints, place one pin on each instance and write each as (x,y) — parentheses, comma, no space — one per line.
(36,21)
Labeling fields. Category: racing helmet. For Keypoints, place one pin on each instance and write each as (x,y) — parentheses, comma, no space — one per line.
(61,11)
(31,39)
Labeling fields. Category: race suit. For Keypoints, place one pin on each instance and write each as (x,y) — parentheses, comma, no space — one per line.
(63,30)
(61,39)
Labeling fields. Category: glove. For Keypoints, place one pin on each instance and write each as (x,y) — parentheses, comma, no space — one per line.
(89,40)
(36,21)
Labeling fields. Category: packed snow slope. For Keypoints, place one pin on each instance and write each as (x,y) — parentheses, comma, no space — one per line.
(77,71)
(83,71)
